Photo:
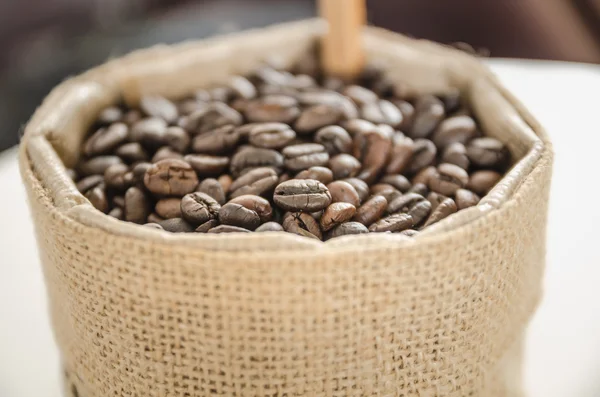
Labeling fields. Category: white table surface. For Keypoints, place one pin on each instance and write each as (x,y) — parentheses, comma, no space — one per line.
(563,349)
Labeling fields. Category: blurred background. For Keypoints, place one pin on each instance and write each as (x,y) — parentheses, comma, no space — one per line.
(44,41)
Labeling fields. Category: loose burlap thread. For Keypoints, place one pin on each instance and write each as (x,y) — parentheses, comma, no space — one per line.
(141,312)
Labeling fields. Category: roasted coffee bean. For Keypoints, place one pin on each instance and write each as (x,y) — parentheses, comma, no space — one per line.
(149,131)
(198,207)
(452,100)
(139,172)
(211,117)
(189,106)
(89,182)
(119,201)
(371,210)
(304,156)
(256,204)
(358,126)
(408,114)
(158,106)
(385,190)
(409,232)
(346,229)
(344,192)
(217,141)
(360,95)
(239,105)
(393,223)
(116,213)
(166,153)
(110,115)
(448,179)
(413,204)
(401,154)
(114,176)
(168,208)
(213,188)
(481,182)
(330,98)
(360,186)
(206,165)
(251,157)
(487,152)
(335,139)
(419,188)
(171,178)
(424,152)
(435,199)
(465,198)
(321,174)
(271,135)
(457,129)
(336,214)
(400,182)
(97,197)
(228,229)
(177,138)
(303,81)
(106,139)
(302,224)
(241,87)
(381,112)
(456,153)
(269,227)
(206,226)
(225,181)
(132,152)
(176,225)
(238,215)
(132,117)
(202,95)
(220,94)
(270,75)
(318,116)
(333,83)
(97,165)
(372,149)
(257,182)
(344,166)
(317,215)
(273,108)
(154,218)
(443,210)
(302,195)
(429,112)
(424,175)
(137,205)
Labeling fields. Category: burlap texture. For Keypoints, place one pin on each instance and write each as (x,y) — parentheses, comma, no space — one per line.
(141,312)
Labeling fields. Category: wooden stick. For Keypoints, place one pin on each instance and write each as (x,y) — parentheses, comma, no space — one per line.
(341,50)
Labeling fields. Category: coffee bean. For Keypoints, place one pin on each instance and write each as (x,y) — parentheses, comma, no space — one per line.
(452,100)
(257,182)
(273,108)
(409,232)
(139,172)
(239,105)
(336,214)
(316,117)
(271,135)
(481,182)
(269,227)
(371,210)
(256,204)
(408,114)
(89,182)
(487,152)
(197,208)
(465,199)
(114,176)
(303,82)
(393,223)
(413,204)
(387,191)
(372,149)
(154,218)
(238,215)
(456,153)
(358,126)
(158,106)
(335,139)
(169,207)
(176,225)
(189,106)
(304,156)
(381,112)
(106,139)
(443,210)
(149,131)
(132,152)
(344,166)
(202,95)
(171,178)
(241,87)
(457,129)
(425,175)
(97,197)
(272,76)
(419,188)
(206,226)
(206,165)
(360,95)
(225,181)
(137,205)
(330,98)
(302,224)
(398,181)
(177,138)
(449,179)
(435,199)
(346,229)
(424,152)
(217,141)
(211,117)
(119,201)
(302,195)
(251,157)
(317,215)
(110,115)
(321,174)
(97,165)
(116,213)
(220,94)
(429,112)
(333,83)
(401,154)
(213,188)
(344,192)
(132,117)
(166,153)
(228,229)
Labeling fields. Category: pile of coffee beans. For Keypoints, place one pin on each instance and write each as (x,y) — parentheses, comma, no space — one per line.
(294,152)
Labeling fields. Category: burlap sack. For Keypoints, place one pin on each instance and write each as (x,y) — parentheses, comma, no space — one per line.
(140,312)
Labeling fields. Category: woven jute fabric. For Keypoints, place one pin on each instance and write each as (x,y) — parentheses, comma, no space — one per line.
(139,312)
